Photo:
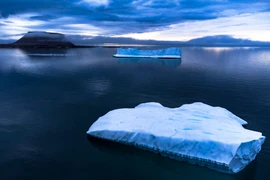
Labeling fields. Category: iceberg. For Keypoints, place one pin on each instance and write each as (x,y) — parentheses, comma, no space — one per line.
(197,133)
(169,53)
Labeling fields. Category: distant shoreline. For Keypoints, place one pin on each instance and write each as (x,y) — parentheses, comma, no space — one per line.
(11,46)
(75,46)
(43,39)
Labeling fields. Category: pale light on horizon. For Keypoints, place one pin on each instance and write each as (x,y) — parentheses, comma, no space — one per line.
(139,19)
(243,26)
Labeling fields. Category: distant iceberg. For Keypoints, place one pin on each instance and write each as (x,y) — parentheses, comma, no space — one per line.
(196,133)
(169,53)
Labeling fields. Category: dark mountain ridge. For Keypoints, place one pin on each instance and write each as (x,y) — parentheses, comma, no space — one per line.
(39,39)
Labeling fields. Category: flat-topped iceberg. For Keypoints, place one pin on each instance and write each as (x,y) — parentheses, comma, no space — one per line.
(169,53)
(197,133)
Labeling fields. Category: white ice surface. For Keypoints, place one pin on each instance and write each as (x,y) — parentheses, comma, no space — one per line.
(197,133)
(160,53)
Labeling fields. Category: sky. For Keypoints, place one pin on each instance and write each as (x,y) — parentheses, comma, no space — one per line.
(169,20)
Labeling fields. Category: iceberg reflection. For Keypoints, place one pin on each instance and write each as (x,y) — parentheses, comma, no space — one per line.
(165,62)
(153,163)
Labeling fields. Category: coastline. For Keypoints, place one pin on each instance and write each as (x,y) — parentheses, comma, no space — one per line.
(124,45)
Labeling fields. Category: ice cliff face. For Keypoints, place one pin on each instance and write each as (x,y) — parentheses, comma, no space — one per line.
(160,53)
(43,39)
(197,133)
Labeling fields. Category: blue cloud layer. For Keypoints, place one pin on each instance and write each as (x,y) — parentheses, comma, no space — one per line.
(117,17)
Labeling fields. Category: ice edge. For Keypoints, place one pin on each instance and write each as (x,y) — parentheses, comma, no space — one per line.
(214,165)
(239,161)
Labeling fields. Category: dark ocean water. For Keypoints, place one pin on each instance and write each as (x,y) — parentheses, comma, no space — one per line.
(48,102)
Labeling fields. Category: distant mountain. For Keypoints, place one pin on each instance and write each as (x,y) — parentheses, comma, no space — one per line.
(221,40)
(6,41)
(42,39)
(99,40)
(57,40)
(225,40)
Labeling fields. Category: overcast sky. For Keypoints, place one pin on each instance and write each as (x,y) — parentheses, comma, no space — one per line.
(141,19)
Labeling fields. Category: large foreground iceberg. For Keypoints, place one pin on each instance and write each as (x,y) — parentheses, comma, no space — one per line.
(197,133)
(169,53)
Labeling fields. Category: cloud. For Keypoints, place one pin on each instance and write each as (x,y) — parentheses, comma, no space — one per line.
(44,17)
(245,26)
(18,24)
(15,26)
(143,19)
(11,7)
(95,3)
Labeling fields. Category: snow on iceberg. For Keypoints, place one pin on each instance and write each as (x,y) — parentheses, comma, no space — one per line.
(197,133)
(160,53)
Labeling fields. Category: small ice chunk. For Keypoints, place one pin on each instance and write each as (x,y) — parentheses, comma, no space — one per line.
(196,133)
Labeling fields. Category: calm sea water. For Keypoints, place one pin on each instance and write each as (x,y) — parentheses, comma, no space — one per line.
(49,99)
